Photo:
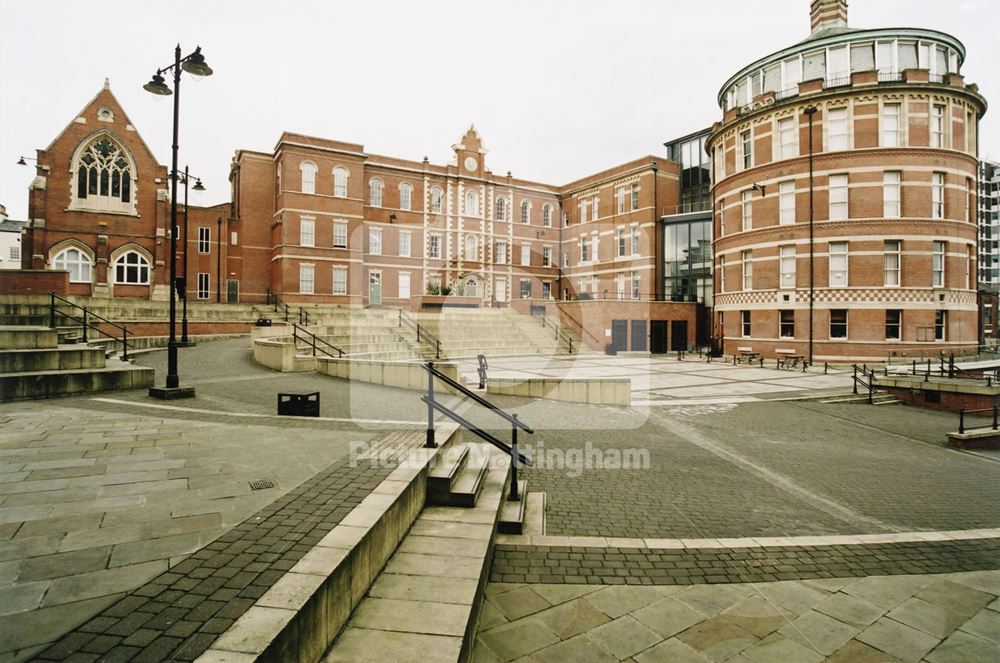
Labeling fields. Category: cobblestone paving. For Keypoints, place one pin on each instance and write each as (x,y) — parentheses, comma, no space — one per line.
(642,566)
(953,618)
(180,613)
(756,469)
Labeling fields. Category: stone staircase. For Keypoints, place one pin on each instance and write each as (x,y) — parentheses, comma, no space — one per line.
(401,577)
(492,332)
(42,362)
(878,398)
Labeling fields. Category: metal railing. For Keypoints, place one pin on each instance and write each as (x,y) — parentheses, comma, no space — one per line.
(516,457)
(962,428)
(423,336)
(285,309)
(560,333)
(314,341)
(866,380)
(948,369)
(86,322)
(566,317)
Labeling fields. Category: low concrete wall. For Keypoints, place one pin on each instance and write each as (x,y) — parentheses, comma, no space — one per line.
(593,391)
(280,355)
(305,610)
(17,387)
(402,374)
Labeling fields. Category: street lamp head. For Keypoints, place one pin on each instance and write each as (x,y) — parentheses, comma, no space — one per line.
(198,186)
(157,86)
(22,162)
(195,64)
(810,110)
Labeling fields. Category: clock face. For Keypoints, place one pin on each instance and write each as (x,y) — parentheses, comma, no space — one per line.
(470,163)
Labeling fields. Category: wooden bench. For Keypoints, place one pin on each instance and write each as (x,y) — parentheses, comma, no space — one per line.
(746,356)
(790,359)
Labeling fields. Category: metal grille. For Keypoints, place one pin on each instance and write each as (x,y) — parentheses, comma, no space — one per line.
(261,485)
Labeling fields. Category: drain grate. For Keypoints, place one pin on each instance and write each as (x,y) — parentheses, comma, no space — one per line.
(261,485)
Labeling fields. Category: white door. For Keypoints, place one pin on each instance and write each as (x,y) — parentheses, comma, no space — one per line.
(501,290)
(374,288)
(404,285)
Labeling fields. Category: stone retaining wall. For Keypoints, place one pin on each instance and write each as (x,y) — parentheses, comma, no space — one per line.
(578,390)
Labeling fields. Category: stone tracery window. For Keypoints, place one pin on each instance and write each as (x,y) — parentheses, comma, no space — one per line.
(104,177)
(132,268)
(76,262)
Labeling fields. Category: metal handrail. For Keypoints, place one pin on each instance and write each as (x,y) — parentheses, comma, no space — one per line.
(516,457)
(311,339)
(867,381)
(281,307)
(563,315)
(560,333)
(961,419)
(422,334)
(85,324)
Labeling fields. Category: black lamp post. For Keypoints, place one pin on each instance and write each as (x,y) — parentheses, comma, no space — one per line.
(810,111)
(193,64)
(183,286)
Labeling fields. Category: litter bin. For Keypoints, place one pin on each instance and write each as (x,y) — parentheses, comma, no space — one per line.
(610,349)
(263,322)
(299,405)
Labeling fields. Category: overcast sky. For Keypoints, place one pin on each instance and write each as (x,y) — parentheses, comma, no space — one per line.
(557,89)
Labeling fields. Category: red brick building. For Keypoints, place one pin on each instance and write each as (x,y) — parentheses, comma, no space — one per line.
(99,209)
(874,254)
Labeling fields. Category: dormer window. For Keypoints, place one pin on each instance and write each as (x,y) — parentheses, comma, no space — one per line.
(104,177)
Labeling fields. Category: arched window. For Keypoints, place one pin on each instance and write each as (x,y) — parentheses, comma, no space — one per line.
(104,175)
(471,203)
(76,262)
(525,212)
(501,209)
(375,193)
(132,268)
(308,170)
(405,196)
(470,247)
(340,182)
(470,288)
(547,215)
(437,196)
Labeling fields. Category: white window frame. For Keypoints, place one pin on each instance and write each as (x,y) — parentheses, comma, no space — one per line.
(437,200)
(635,239)
(937,195)
(307,173)
(891,125)
(307,231)
(620,238)
(307,278)
(405,243)
(595,240)
(471,203)
(338,270)
(787,260)
(405,197)
(143,269)
(525,212)
(635,284)
(620,199)
(786,203)
(434,246)
(340,231)
(81,265)
(340,177)
(745,143)
(546,256)
(892,261)
(839,261)
(938,263)
(502,257)
(204,239)
(839,201)
(838,130)
(204,285)
(892,199)
(501,208)
(788,143)
(938,124)
(526,254)
(746,211)
(594,204)
(401,292)
(747,269)
(375,189)
(635,196)
(375,241)
(547,215)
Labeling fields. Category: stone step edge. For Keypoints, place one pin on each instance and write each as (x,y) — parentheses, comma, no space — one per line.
(746,542)
(303,612)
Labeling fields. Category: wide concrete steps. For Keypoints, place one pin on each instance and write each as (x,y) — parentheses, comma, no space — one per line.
(115,376)
(59,358)
(424,605)
(879,398)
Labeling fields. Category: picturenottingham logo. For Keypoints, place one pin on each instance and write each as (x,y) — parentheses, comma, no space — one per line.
(573,461)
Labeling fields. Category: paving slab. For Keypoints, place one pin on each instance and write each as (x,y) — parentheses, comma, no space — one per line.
(624,637)
(364,646)
(818,632)
(572,617)
(578,649)
(900,640)
(961,647)
(404,616)
(776,648)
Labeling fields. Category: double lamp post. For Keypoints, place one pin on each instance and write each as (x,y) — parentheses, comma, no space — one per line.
(194,64)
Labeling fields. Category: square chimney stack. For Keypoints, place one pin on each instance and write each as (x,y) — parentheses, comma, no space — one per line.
(825,14)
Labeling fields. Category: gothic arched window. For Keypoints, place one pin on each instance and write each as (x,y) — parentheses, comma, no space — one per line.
(104,177)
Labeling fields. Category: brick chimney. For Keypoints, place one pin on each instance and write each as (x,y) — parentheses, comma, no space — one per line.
(827,14)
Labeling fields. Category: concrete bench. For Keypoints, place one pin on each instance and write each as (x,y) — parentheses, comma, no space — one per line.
(746,356)
(789,359)
(983,438)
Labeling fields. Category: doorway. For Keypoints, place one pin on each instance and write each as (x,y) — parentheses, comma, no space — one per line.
(619,335)
(232,291)
(658,337)
(678,335)
(374,288)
